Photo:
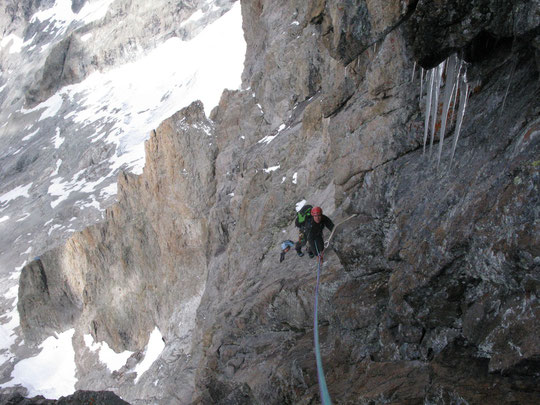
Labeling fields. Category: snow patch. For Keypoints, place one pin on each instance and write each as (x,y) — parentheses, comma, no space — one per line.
(153,349)
(109,191)
(196,16)
(29,136)
(86,37)
(20,191)
(51,106)
(58,140)
(267,139)
(58,164)
(52,372)
(15,41)
(53,228)
(7,329)
(24,216)
(13,292)
(114,361)
(62,189)
(271,169)
(62,16)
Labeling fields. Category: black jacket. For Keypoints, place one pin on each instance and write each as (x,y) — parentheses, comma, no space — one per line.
(314,230)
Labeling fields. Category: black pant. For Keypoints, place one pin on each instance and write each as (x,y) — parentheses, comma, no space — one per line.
(316,245)
(301,241)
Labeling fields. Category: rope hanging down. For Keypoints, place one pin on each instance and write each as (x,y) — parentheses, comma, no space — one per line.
(325,395)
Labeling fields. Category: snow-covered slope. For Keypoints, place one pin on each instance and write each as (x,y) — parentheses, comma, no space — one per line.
(126,67)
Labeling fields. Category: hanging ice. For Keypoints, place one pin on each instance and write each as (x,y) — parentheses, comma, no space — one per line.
(452,71)
(455,100)
(431,75)
(508,86)
(461,112)
(421,83)
(454,83)
(435,106)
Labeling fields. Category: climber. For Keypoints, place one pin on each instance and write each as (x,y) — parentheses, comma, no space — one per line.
(300,222)
(313,229)
(285,247)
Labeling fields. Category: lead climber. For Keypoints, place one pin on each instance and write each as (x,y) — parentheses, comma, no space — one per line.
(313,230)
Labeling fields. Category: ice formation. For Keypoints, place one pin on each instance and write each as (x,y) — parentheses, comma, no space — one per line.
(450,75)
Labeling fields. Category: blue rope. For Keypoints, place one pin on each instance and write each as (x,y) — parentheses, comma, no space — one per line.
(325,396)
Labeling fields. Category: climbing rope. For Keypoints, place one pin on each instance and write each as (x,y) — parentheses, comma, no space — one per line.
(335,227)
(325,395)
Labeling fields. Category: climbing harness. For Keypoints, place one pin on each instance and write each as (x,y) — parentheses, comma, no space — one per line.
(333,230)
(325,395)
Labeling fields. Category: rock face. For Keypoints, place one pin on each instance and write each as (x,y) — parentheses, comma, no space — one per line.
(428,295)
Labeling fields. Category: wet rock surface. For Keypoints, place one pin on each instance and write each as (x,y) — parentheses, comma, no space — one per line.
(429,294)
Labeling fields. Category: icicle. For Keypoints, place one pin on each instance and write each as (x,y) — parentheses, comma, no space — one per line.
(455,82)
(449,86)
(456,91)
(461,112)
(435,106)
(413,71)
(509,83)
(431,74)
(421,83)
(511,74)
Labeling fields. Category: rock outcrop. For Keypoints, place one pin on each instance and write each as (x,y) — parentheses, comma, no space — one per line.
(429,295)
